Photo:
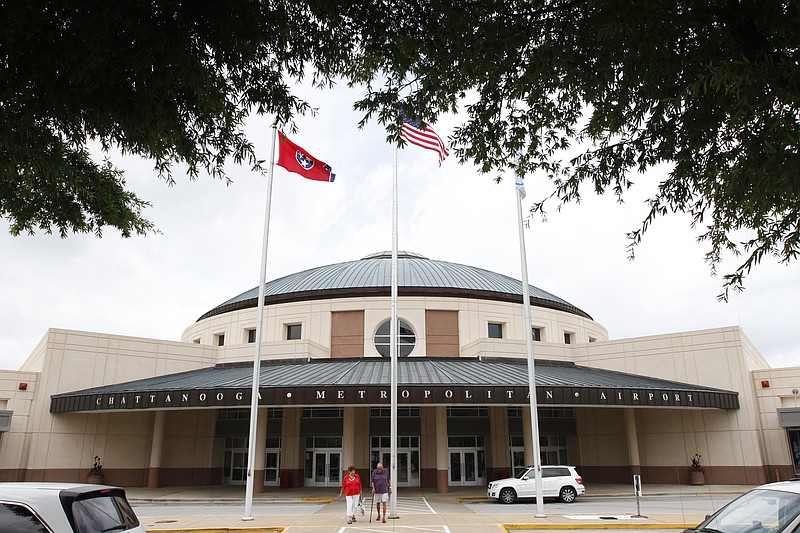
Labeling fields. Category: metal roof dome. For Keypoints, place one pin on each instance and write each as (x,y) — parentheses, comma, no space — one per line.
(416,276)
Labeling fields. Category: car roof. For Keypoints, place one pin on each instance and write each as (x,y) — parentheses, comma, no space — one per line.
(791,485)
(13,490)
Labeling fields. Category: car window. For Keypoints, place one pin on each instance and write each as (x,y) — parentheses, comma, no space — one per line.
(555,472)
(103,513)
(19,519)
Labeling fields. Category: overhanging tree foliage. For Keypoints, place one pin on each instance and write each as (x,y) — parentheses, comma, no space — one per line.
(712,87)
(171,81)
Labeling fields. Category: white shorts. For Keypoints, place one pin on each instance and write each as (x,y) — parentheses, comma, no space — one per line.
(381,497)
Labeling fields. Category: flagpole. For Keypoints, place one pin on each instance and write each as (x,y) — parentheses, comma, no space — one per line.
(526,330)
(251,447)
(393,351)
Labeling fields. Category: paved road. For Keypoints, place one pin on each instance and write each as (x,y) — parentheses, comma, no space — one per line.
(610,505)
(224,509)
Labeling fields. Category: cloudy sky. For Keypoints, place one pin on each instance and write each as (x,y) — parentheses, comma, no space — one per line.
(210,246)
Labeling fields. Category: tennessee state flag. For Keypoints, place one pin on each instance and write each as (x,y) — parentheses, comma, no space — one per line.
(296,159)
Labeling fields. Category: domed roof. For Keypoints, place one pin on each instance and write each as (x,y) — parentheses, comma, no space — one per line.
(416,276)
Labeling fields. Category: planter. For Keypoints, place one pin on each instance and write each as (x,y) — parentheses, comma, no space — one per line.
(95,479)
(697,478)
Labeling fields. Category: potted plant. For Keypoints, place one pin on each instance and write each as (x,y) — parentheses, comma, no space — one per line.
(696,471)
(96,471)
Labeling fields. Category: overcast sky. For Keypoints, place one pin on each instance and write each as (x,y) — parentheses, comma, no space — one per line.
(210,246)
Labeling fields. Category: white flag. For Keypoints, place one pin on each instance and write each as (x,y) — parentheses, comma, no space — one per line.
(520,187)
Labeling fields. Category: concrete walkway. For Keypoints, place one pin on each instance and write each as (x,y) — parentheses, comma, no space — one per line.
(447,514)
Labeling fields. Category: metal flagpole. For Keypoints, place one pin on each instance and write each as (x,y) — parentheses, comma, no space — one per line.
(251,447)
(393,351)
(526,302)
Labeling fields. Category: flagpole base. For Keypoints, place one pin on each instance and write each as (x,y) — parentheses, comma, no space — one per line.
(247,519)
(394,517)
(540,516)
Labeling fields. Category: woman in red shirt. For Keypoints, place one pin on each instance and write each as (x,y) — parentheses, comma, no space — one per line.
(351,487)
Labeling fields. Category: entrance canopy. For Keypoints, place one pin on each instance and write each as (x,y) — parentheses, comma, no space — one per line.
(421,381)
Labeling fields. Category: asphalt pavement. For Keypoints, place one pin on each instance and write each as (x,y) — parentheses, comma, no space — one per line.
(417,510)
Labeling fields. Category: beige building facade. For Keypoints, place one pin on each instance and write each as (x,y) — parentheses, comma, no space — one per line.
(165,413)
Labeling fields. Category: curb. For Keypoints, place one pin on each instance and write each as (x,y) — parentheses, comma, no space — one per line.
(512,527)
(221,530)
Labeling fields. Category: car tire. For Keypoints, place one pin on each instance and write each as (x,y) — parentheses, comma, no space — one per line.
(507,495)
(567,494)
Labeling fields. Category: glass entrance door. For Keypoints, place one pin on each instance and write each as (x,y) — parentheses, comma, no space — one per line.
(323,468)
(235,465)
(403,465)
(407,459)
(272,467)
(467,467)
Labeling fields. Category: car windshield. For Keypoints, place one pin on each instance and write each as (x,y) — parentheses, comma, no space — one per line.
(757,510)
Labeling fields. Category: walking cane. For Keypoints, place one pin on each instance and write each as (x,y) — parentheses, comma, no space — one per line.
(371,505)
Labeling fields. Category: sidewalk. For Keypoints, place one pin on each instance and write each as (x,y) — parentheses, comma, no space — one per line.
(450,513)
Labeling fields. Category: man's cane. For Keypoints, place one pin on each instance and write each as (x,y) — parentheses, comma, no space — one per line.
(371,505)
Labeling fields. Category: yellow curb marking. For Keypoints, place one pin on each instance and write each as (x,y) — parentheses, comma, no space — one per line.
(624,525)
(220,530)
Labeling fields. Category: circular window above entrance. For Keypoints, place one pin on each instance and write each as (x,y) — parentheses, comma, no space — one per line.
(406,338)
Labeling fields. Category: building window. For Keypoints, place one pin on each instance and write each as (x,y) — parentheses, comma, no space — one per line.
(402,442)
(468,412)
(274,413)
(402,412)
(567,337)
(293,332)
(251,335)
(465,442)
(794,444)
(219,339)
(323,412)
(495,330)
(323,442)
(536,334)
(553,450)
(556,412)
(196,341)
(233,414)
(406,338)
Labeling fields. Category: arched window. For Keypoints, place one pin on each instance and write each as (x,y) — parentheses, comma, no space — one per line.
(406,338)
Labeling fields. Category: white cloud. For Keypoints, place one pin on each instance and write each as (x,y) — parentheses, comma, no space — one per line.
(210,248)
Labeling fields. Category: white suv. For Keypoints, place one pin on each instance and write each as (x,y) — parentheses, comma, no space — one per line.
(65,508)
(561,482)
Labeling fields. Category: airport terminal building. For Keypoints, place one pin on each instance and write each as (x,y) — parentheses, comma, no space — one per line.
(167,413)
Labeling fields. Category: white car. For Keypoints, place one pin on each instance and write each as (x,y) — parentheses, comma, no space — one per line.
(773,508)
(65,508)
(561,482)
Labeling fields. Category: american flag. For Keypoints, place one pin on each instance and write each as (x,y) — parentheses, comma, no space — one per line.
(421,134)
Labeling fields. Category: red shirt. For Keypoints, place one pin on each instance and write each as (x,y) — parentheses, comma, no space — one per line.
(351,487)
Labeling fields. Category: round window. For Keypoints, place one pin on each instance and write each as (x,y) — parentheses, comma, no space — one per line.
(406,338)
